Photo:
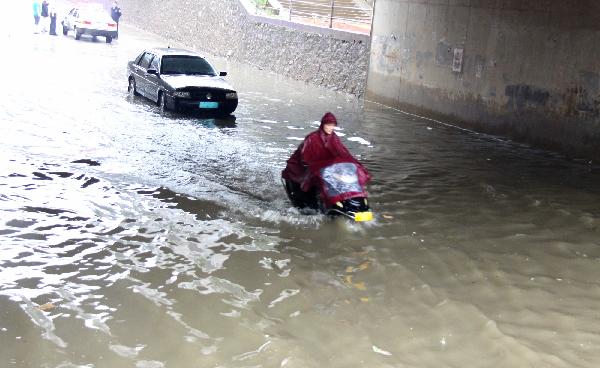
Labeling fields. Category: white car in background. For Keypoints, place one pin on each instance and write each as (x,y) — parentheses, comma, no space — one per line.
(91,20)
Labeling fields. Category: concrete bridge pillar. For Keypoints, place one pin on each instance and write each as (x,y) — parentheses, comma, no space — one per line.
(525,69)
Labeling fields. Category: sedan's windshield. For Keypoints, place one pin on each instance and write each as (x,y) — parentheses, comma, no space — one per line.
(186,65)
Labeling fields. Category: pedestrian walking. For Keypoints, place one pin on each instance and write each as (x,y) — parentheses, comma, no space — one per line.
(115,13)
(36,16)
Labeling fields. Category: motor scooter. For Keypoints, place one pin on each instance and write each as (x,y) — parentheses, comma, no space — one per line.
(339,191)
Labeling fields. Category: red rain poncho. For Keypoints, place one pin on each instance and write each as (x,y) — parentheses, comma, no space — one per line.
(319,149)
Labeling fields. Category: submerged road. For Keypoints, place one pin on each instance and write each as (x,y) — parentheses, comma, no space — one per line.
(129,238)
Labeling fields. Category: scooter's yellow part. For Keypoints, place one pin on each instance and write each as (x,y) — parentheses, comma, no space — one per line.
(363,216)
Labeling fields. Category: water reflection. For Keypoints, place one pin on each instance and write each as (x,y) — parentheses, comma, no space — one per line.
(227,122)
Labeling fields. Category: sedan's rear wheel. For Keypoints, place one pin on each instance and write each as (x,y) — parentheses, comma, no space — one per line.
(77,35)
(108,39)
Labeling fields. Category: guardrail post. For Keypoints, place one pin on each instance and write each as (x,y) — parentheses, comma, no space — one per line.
(290,11)
(331,14)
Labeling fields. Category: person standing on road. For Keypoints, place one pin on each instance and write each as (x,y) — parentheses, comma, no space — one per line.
(45,13)
(36,15)
(115,13)
(53,21)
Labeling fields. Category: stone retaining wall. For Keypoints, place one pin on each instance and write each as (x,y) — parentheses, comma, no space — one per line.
(332,59)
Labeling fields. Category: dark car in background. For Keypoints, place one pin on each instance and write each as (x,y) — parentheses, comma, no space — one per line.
(180,80)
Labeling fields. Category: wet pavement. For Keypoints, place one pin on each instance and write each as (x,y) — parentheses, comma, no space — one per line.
(129,238)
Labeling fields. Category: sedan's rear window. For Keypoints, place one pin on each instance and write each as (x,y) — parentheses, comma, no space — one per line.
(96,16)
(186,65)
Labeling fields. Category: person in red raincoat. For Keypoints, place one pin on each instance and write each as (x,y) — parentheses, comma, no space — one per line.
(317,149)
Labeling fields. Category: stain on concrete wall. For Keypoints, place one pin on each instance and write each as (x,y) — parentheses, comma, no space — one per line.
(387,51)
(522,96)
(479,62)
(589,96)
(443,54)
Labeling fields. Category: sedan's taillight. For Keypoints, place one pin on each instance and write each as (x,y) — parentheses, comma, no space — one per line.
(86,22)
(112,24)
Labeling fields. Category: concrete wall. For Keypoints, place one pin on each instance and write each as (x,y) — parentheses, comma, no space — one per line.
(336,60)
(530,68)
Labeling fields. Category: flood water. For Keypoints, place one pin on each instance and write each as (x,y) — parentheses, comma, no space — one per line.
(129,238)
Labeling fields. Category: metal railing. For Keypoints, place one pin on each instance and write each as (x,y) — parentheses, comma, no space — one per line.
(341,14)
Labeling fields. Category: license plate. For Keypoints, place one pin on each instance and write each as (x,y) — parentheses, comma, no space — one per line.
(209,105)
(363,216)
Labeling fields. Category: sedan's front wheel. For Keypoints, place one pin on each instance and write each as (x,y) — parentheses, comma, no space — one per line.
(131,87)
(162,103)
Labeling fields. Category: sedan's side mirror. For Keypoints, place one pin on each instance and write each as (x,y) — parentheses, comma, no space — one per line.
(222,74)
(152,71)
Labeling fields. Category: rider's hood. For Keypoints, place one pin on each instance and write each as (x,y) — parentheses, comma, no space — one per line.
(328,118)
